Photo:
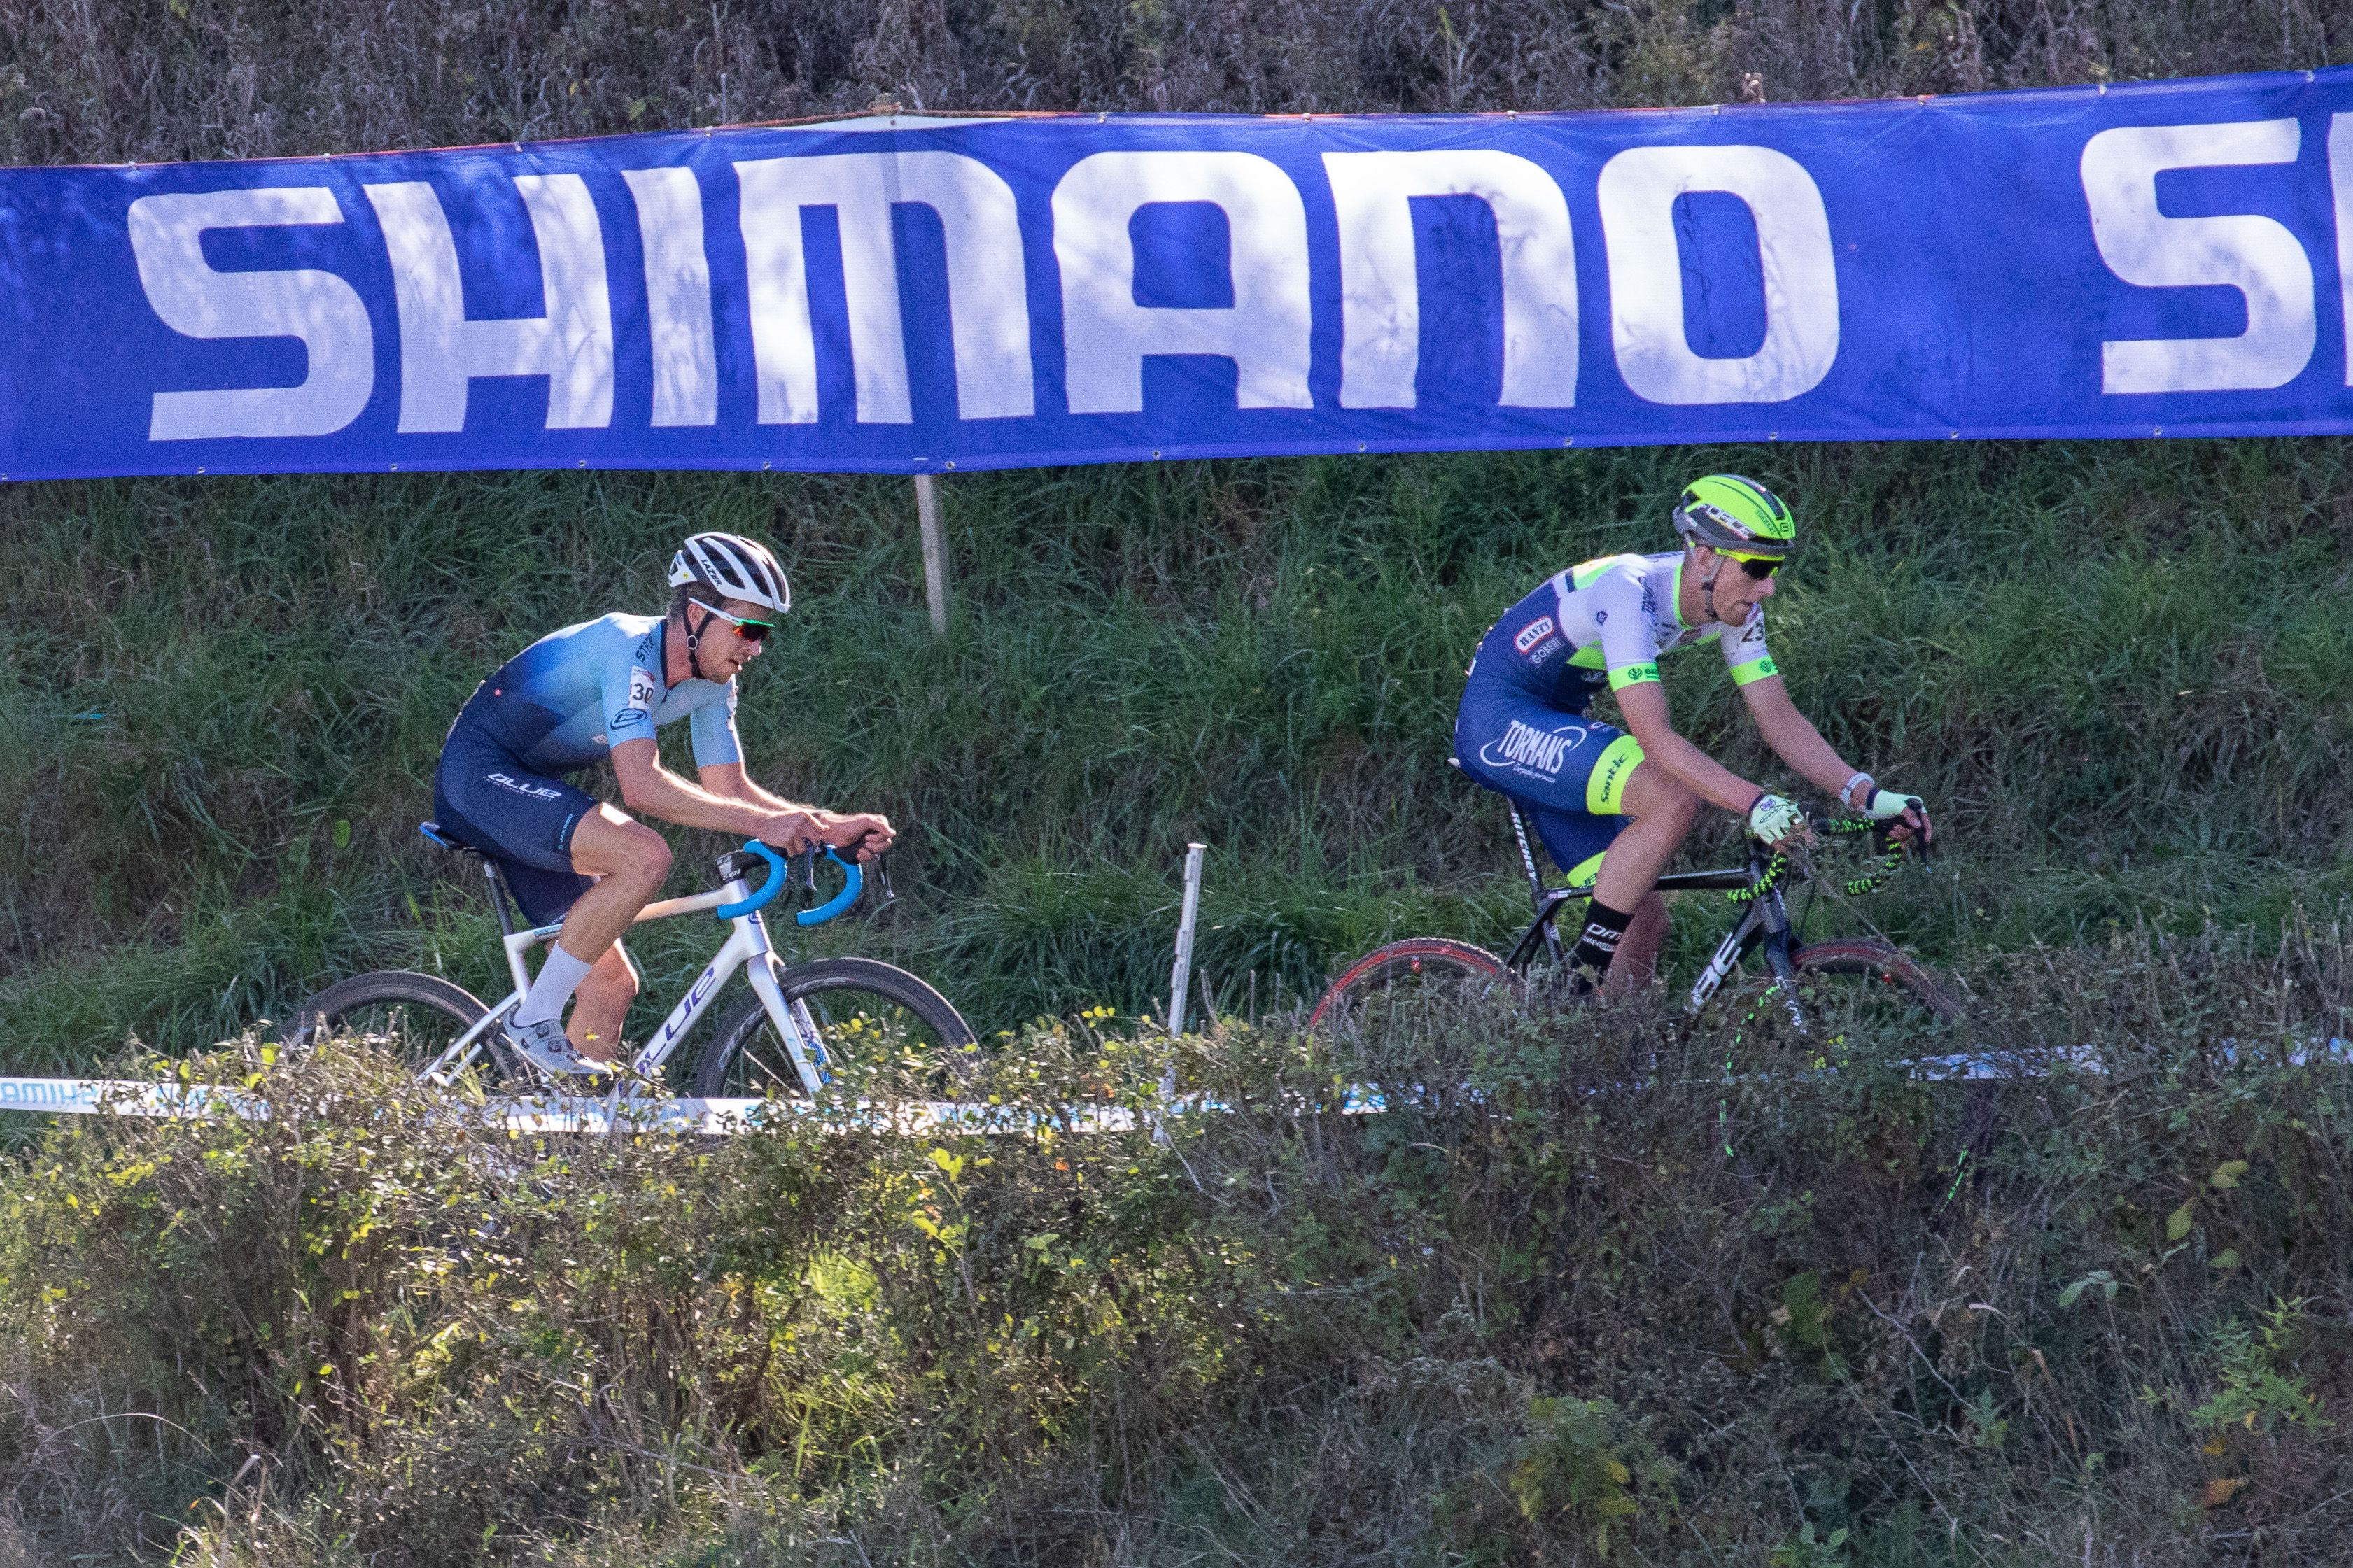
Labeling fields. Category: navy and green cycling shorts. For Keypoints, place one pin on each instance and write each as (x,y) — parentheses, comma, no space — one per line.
(1568,773)
(523,820)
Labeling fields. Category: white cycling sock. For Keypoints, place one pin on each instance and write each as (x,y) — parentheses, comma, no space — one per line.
(559,977)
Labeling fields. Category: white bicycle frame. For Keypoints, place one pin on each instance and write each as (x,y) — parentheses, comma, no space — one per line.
(747,947)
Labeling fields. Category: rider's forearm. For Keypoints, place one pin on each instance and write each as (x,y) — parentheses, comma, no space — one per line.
(752,792)
(730,781)
(1796,742)
(1699,772)
(664,795)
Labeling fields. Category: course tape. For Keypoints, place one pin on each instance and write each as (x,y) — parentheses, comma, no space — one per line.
(567,1113)
(690,1116)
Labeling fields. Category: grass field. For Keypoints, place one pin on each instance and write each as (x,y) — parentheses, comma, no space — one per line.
(2113,670)
(2117,672)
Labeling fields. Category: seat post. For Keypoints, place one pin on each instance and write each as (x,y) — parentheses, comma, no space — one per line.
(498,895)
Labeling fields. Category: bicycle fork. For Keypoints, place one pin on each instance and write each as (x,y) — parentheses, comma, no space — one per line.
(1765,922)
(804,1042)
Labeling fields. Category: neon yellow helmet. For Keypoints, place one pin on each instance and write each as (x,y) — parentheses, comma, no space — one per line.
(1738,517)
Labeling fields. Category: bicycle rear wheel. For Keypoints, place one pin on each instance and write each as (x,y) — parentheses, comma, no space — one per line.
(1418,972)
(857,1009)
(415,1017)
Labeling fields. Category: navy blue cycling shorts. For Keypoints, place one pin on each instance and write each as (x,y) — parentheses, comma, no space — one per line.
(1568,772)
(521,819)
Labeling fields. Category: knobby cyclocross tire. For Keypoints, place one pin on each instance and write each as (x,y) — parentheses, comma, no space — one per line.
(744,1058)
(1884,961)
(1416,959)
(420,1015)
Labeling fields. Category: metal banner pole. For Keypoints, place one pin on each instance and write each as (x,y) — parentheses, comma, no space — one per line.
(935,551)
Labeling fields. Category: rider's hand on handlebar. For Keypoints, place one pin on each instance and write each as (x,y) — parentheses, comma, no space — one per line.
(1779,823)
(1908,812)
(790,833)
(866,834)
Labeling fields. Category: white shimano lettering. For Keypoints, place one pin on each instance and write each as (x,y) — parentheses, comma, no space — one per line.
(443,350)
(1267,331)
(1380,286)
(320,308)
(678,296)
(2258,256)
(1637,190)
(989,311)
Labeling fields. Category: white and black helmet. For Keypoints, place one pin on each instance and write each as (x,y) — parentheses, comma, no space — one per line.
(734,567)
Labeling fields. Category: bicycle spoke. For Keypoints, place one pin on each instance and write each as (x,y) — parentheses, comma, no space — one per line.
(756,1061)
(877,1029)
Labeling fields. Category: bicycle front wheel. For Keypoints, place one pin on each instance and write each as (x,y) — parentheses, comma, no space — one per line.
(416,1017)
(856,1009)
(1847,990)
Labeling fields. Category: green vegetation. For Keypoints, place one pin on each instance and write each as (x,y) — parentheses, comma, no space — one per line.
(1566,1319)
(109,80)
(2113,668)
(2116,671)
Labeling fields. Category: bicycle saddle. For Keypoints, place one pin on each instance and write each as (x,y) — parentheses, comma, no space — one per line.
(437,834)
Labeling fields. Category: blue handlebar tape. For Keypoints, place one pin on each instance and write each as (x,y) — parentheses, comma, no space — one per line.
(854,879)
(779,874)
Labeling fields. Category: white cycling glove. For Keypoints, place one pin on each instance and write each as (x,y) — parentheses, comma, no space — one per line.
(1773,818)
(1886,805)
(1880,805)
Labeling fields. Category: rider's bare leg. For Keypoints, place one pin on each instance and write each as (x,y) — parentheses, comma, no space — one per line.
(628,860)
(601,1004)
(1637,963)
(1661,811)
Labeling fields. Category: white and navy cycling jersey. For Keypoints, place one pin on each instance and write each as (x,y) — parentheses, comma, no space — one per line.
(1521,728)
(1609,619)
(566,701)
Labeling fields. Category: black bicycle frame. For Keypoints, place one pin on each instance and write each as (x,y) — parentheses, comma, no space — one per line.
(1765,922)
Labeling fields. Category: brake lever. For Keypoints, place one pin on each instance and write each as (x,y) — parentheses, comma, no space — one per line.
(1884,842)
(808,875)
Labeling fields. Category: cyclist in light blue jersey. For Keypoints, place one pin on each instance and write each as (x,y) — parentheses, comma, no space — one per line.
(601,690)
(1612,808)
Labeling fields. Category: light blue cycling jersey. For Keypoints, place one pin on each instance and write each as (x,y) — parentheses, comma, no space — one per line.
(566,701)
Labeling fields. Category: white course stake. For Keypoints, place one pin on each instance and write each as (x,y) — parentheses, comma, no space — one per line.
(1180,977)
(1180,980)
(935,551)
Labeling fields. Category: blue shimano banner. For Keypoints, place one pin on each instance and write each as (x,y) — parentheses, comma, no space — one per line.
(916,295)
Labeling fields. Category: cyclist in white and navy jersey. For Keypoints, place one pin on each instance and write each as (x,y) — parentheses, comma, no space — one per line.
(601,690)
(1612,808)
